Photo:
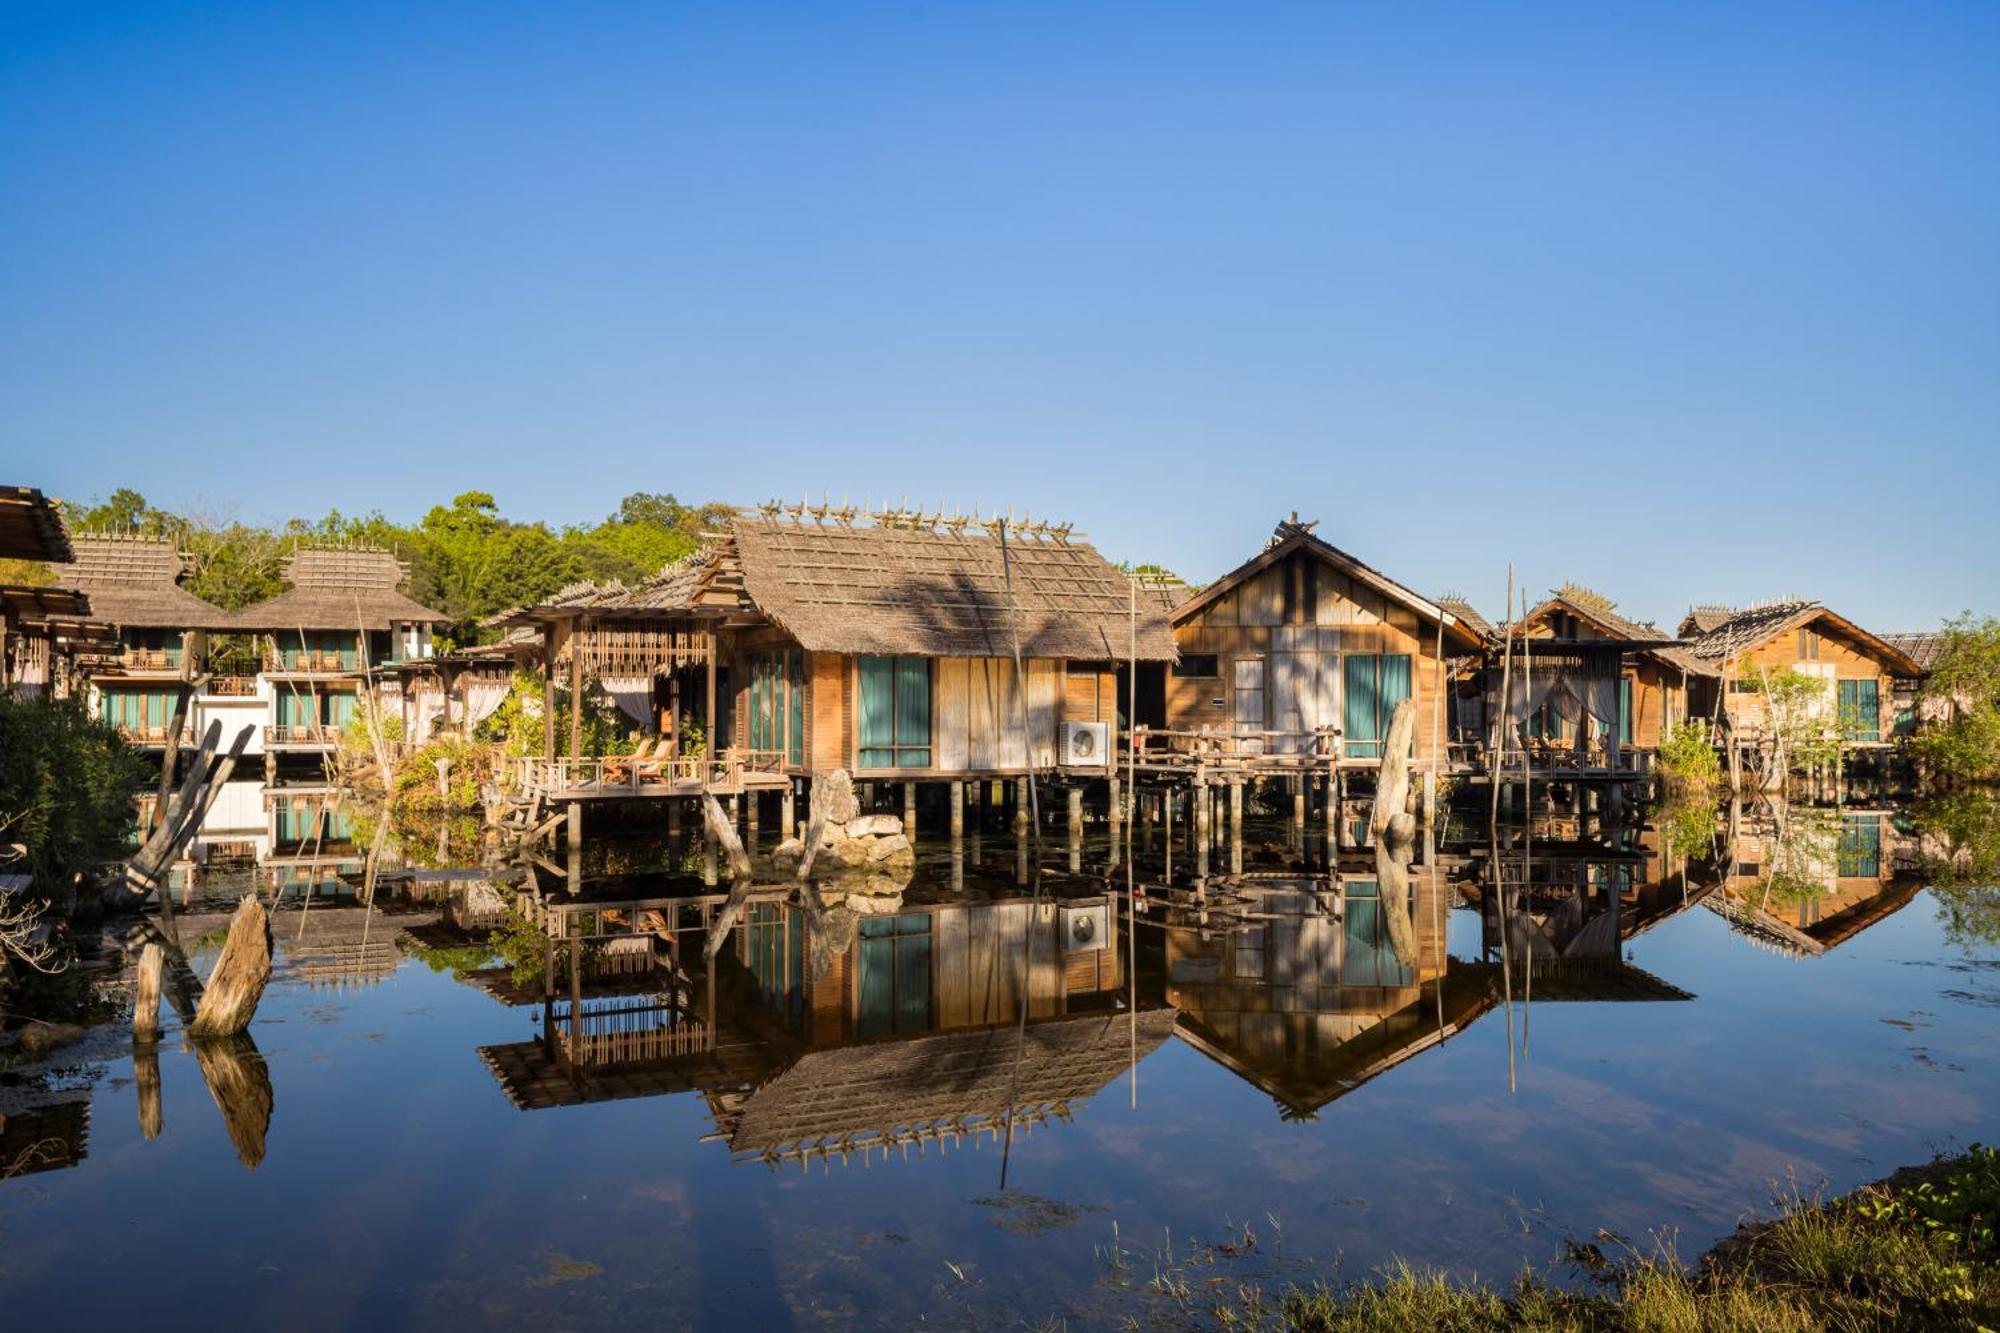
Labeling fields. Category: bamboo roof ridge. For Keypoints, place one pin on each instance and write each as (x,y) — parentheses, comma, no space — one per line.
(133,581)
(900,581)
(338,587)
(32,527)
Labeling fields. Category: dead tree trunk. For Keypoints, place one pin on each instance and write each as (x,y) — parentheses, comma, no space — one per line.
(146,1007)
(1391,818)
(240,1082)
(229,1001)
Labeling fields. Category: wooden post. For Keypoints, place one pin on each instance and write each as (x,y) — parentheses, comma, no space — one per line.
(573,824)
(1075,803)
(1022,806)
(1114,806)
(146,1007)
(910,811)
(548,691)
(229,1000)
(1236,811)
(788,810)
(576,690)
(708,738)
(958,809)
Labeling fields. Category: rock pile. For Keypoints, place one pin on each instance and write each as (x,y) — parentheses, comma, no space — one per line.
(850,845)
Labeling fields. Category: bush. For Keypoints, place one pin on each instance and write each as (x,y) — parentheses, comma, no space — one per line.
(66,787)
(414,789)
(1687,758)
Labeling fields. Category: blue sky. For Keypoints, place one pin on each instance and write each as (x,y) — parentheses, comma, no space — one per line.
(1687,302)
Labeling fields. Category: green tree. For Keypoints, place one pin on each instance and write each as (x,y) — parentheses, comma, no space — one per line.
(1959,740)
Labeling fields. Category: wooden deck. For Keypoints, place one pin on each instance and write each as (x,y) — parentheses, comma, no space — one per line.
(629,778)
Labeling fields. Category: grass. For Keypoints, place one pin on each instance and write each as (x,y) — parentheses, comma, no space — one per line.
(1915,1251)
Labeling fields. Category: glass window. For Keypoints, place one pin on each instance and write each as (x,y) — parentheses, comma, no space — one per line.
(895,975)
(895,729)
(1372,684)
(1198,666)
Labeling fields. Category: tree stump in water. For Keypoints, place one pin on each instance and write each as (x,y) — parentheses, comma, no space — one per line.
(146,1008)
(229,1001)
(240,1082)
(146,1076)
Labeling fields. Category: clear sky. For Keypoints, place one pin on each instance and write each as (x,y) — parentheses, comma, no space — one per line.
(1687,302)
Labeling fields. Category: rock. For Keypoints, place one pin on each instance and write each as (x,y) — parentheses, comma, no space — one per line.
(788,852)
(884,848)
(849,852)
(875,904)
(874,826)
(38,1039)
(833,797)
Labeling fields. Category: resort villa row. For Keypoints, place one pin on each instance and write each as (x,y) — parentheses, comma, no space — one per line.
(289,670)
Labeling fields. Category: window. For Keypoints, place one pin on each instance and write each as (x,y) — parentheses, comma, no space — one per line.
(778,705)
(1624,710)
(1372,684)
(1368,957)
(895,712)
(1860,855)
(1860,705)
(775,945)
(1198,666)
(895,974)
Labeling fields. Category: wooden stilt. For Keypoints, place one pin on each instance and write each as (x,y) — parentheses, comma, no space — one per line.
(958,810)
(910,811)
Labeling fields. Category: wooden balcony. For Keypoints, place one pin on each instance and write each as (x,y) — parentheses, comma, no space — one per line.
(148,736)
(231,687)
(611,777)
(152,659)
(314,662)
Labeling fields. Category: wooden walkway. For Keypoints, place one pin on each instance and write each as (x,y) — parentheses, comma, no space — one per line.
(629,778)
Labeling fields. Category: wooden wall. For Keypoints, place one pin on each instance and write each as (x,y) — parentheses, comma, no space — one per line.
(1338,615)
(1839,658)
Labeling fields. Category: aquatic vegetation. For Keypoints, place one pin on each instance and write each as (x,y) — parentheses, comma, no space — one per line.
(1687,759)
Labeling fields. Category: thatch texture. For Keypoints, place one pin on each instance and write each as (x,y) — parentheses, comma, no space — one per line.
(872,1091)
(134,582)
(1600,612)
(938,591)
(1753,626)
(338,587)
(1921,647)
(32,527)
(1462,608)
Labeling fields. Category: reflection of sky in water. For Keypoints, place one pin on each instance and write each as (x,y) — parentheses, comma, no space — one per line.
(402,1189)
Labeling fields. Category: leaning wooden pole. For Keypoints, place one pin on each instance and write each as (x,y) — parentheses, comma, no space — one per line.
(229,1000)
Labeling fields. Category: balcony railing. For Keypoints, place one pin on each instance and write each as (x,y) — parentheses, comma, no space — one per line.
(301,734)
(233,687)
(153,659)
(146,733)
(311,661)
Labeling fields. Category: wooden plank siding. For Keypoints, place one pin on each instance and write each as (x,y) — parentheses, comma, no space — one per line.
(1847,661)
(1304,607)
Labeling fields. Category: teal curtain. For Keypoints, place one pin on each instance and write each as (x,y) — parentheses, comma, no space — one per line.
(1371,686)
(1860,846)
(895,981)
(1358,711)
(1368,957)
(913,712)
(1860,706)
(795,731)
(878,712)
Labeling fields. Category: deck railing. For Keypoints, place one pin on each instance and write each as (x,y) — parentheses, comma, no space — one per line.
(310,660)
(296,734)
(152,659)
(147,734)
(609,774)
(1225,748)
(231,687)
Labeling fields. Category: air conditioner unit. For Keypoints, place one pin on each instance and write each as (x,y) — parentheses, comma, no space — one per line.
(1086,744)
(1086,929)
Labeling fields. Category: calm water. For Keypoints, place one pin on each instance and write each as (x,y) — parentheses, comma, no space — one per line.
(405,1146)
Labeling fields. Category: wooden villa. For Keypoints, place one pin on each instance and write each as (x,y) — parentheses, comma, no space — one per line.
(1297,657)
(1654,675)
(133,585)
(1861,669)
(805,639)
(340,624)
(39,626)
(1813,881)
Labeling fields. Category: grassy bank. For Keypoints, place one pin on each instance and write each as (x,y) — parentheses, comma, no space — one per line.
(1914,1251)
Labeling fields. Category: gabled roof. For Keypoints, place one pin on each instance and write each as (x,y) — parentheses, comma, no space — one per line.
(1468,614)
(24,603)
(1753,626)
(898,583)
(338,587)
(32,527)
(670,591)
(1293,535)
(134,582)
(1602,613)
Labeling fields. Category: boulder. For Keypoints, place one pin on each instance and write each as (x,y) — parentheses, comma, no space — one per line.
(884,848)
(874,826)
(833,797)
(849,851)
(787,853)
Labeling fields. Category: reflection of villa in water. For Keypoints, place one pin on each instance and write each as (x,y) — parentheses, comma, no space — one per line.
(1810,880)
(823,1032)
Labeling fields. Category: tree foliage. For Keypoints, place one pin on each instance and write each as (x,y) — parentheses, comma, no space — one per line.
(1960,740)
(66,783)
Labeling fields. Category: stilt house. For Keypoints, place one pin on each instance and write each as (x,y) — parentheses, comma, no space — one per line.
(1303,649)
(1860,669)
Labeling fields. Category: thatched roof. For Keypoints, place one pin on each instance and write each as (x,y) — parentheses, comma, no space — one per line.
(32,527)
(1467,614)
(338,587)
(871,1092)
(1602,613)
(1294,535)
(1753,626)
(937,588)
(37,605)
(134,582)
(1920,646)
